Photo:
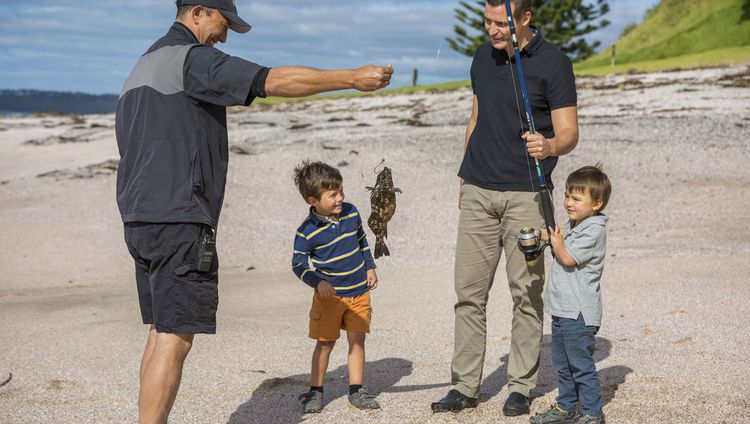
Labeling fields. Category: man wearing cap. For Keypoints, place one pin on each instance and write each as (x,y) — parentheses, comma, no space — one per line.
(172,137)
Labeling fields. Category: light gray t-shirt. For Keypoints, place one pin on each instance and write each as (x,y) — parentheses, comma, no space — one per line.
(571,290)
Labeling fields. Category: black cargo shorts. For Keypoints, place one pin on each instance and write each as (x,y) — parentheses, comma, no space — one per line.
(173,295)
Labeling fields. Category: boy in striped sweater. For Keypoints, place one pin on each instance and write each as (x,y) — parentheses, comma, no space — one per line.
(333,239)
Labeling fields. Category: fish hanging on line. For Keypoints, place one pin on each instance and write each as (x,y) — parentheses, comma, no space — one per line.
(382,208)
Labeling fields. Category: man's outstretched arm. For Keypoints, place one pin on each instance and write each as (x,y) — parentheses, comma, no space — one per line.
(301,81)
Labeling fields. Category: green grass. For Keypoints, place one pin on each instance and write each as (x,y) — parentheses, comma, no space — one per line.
(682,30)
(712,58)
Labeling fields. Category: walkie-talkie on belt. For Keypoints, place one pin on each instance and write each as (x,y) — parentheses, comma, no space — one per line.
(206,250)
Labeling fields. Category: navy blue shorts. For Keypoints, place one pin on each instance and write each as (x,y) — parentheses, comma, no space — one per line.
(173,295)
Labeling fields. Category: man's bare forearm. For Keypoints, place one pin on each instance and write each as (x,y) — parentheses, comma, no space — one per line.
(564,142)
(565,125)
(301,81)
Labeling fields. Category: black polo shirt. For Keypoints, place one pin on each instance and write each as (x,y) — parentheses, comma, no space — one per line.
(496,157)
(171,129)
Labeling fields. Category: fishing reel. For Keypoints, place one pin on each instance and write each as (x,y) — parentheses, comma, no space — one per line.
(530,243)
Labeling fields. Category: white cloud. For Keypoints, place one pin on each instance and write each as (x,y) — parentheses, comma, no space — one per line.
(90,45)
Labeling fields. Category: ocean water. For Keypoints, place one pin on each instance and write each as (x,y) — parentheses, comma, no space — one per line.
(13,113)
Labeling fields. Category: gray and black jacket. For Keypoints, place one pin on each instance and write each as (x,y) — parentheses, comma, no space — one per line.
(172,131)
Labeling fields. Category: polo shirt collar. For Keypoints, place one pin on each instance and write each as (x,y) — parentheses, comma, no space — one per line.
(600,219)
(320,219)
(529,49)
(535,43)
(183,31)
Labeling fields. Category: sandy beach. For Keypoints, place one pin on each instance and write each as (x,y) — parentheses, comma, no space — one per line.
(672,349)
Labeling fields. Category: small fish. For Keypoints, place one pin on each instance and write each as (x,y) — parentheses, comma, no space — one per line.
(383,206)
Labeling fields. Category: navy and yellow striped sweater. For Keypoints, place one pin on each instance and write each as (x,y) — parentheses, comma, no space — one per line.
(338,250)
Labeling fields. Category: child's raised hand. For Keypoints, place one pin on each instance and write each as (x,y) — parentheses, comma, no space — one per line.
(372,279)
(556,237)
(326,289)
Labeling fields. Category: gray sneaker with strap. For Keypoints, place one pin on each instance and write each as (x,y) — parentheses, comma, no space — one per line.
(588,419)
(312,401)
(554,415)
(362,399)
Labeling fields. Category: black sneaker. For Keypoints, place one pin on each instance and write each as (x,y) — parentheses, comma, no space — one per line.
(554,415)
(454,401)
(517,404)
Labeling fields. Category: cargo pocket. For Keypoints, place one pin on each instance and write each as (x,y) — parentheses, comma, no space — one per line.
(197,297)
(314,324)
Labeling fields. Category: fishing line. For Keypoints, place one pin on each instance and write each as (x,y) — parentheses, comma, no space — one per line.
(546,200)
(375,170)
(520,123)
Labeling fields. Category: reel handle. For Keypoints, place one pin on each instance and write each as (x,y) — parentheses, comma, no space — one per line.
(548,212)
(530,243)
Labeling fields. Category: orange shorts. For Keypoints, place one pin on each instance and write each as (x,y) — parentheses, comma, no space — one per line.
(329,315)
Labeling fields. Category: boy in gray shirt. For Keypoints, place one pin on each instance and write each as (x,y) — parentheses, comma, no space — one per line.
(573,298)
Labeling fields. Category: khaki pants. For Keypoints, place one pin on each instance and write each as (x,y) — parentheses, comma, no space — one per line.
(488,224)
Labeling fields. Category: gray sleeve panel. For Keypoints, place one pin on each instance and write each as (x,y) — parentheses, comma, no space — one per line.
(161,70)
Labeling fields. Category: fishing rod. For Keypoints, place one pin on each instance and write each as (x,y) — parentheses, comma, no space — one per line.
(528,241)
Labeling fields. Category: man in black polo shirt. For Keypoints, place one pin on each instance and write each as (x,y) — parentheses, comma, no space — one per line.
(499,196)
(172,136)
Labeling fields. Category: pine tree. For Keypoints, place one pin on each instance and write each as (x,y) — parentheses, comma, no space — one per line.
(563,23)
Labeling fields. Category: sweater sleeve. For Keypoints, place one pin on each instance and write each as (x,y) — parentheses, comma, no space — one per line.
(301,264)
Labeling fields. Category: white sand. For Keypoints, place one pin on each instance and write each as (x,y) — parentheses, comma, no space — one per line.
(673,347)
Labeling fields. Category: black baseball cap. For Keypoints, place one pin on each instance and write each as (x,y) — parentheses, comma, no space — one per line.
(227,10)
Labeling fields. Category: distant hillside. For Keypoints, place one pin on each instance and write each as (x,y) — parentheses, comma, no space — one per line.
(718,30)
(28,101)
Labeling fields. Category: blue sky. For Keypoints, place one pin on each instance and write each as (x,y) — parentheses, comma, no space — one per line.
(91,46)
